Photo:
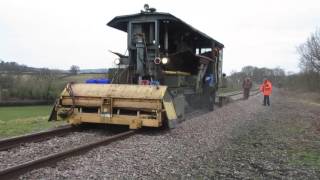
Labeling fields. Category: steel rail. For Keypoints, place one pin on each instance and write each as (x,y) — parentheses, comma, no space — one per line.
(34,137)
(226,98)
(235,93)
(252,93)
(16,171)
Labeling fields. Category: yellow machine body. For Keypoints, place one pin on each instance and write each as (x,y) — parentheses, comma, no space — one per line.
(132,105)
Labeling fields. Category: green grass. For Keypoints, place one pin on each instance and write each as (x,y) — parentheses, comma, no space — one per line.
(25,119)
(305,156)
(81,78)
(303,141)
(10,113)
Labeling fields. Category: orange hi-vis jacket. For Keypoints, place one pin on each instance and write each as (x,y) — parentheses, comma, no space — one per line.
(266,88)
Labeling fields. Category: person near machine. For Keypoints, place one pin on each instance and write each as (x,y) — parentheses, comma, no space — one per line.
(224,81)
(246,85)
(266,89)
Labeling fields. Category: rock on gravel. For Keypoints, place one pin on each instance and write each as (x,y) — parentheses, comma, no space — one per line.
(194,150)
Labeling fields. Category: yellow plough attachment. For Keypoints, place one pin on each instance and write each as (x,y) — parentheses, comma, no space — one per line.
(133,105)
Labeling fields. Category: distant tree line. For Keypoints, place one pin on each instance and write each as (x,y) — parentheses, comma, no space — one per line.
(276,75)
(302,81)
(308,79)
(20,82)
(14,67)
(310,53)
(39,86)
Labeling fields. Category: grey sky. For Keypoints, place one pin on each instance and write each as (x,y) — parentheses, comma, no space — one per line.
(60,33)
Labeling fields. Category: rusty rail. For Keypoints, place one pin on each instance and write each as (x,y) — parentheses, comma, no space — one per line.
(35,137)
(14,172)
(225,98)
(252,93)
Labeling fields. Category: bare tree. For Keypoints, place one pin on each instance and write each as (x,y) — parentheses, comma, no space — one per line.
(310,53)
(248,70)
(74,69)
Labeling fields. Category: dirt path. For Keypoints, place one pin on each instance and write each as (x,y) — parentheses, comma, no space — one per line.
(282,142)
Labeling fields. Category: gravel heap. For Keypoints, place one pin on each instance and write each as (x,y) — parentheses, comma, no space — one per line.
(181,153)
(31,151)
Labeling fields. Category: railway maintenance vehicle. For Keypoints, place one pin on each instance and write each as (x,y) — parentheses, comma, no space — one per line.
(170,68)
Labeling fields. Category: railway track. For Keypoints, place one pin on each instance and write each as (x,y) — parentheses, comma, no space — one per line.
(225,98)
(239,95)
(16,171)
(21,168)
(8,143)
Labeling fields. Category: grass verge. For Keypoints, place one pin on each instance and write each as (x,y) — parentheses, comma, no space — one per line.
(16,121)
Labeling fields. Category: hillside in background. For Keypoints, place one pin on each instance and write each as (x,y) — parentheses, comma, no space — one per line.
(13,67)
(87,71)
(20,83)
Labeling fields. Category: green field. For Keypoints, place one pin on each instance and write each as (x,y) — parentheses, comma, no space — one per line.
(25,119)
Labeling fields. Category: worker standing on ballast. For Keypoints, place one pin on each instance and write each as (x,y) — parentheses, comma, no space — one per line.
(246,85)
(266,89)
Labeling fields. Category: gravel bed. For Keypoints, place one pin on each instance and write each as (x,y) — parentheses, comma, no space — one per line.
(31,151)
(181,153)
(282,142)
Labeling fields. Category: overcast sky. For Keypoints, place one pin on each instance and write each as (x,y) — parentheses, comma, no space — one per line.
(60,33)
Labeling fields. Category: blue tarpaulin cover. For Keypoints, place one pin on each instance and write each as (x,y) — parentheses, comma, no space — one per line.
(98,81)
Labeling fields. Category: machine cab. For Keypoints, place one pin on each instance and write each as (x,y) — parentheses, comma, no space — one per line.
(160,43)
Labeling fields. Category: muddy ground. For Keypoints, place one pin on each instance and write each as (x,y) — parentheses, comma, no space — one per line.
(281,142)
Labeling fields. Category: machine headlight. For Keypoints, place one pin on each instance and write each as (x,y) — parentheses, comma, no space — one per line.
(157,60)
(164,60)
(117,61)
